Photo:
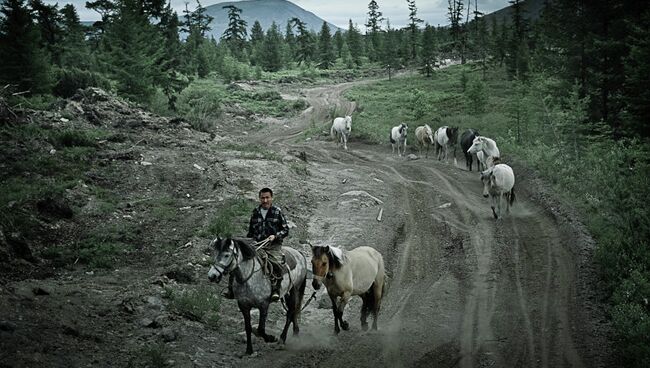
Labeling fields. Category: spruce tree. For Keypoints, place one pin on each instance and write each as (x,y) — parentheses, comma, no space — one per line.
(355,43)
(235,34)
(272,56)
(304,49)
(24,65)
(74,50)
(131,52)
(49,21)
(373,30)
(413,27)
(325,50)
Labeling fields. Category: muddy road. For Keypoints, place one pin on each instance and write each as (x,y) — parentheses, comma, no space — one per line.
(464,290)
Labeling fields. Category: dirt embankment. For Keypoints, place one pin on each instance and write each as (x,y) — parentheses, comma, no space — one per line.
(464,290)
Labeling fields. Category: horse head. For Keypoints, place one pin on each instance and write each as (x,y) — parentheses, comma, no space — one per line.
(348,123)
(403,129)
(477,145)
(225,260)
(429,132)
(320,264)
(486,179)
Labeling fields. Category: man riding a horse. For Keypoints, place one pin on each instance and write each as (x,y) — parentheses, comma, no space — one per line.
(269,227)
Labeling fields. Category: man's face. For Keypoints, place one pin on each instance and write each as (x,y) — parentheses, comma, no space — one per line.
(266,199)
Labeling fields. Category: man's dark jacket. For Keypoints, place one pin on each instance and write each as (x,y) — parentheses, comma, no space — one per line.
(261,228)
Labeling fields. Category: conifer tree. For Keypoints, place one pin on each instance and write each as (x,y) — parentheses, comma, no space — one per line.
(325,50)
(49,21)
(304,49)
(24,65)
(413,27)
(131,52)
(373,30)
(338,42)
(235,34)
(272,46)
(355,43)
(74,50)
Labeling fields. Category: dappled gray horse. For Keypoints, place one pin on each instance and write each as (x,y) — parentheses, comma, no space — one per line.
(252,287)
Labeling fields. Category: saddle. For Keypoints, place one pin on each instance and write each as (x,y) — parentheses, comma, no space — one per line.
(288,262)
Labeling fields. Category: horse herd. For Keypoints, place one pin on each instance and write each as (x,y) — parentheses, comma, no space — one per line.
(344,273)
(498,178)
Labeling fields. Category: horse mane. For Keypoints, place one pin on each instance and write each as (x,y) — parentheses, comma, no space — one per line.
(335,255)
(246,247)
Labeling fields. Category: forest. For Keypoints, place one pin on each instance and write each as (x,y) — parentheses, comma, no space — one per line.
(572,84)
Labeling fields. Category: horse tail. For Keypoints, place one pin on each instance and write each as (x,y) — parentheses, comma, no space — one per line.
(512,195)
(390,136)
(332,131)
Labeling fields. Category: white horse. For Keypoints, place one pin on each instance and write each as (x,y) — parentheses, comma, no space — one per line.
(398,137)
(424,137)
(445,138)
(487,147)
(498,184)
(341,128)
(359,271)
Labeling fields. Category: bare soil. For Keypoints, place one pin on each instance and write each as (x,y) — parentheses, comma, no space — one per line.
(464,290)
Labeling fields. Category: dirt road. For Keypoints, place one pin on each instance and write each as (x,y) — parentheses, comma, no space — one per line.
(465,290)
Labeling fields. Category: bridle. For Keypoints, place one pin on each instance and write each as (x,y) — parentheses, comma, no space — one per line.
(227,268)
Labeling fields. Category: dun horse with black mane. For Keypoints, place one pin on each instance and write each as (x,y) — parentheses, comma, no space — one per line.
(347,273)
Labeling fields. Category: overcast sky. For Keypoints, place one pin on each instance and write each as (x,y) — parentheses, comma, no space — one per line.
(338,12)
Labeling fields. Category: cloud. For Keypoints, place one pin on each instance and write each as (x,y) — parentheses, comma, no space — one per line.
(338,12)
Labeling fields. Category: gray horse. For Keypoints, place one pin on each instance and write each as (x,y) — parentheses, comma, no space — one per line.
(252,288)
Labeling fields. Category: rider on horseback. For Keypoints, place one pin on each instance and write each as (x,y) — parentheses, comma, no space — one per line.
(267,223)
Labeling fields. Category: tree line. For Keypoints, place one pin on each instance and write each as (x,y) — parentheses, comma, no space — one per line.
(139,46)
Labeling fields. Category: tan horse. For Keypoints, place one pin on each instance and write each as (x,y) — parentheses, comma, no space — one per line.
(346,273)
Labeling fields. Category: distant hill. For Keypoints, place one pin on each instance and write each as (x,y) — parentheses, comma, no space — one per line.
(266,12)
(531,11)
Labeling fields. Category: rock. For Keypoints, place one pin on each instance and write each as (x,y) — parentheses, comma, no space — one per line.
(40,291)
(324,301)
(412,157)
(148,322)
(181,274)
(154,302)
(168,334)
(7,326)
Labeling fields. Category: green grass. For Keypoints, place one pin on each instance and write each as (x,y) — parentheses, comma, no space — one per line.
(543,124)
(230,219)
(201,304)
(252,151)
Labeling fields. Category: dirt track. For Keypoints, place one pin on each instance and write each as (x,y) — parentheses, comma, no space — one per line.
(465,290)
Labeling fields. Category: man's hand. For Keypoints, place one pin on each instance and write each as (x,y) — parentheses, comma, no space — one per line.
(271,238)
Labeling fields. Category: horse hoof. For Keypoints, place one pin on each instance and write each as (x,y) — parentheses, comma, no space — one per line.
(364,326)
(270,338)
(345,325)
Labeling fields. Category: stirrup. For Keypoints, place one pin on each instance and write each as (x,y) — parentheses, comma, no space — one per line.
(228,294)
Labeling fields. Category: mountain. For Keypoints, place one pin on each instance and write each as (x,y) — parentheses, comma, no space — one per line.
(266,12)
(532,10)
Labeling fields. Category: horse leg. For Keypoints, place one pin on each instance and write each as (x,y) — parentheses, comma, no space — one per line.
(344,301)
(493,200)
(345,141)
(377,294)
(261,328)
(365,308)
(335,311)
(291,310)
(296,314)
(246,311)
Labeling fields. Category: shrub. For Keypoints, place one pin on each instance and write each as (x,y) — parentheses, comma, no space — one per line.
(200,103)
(232,212)
(71,79)
(202,304)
